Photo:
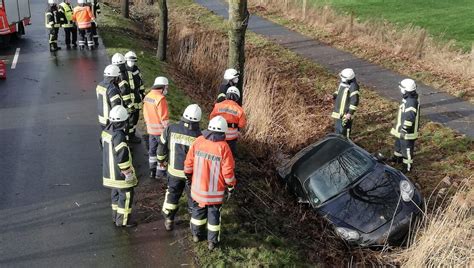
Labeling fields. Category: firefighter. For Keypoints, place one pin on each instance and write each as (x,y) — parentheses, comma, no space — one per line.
(137,88)
(155,113)
(127,96)
(70,29)
(108,94)
(82,15)
(118,171)
(53,20)
(406,129)
(174,146)
(233,114)
(95,7)
(346,102)
(231,78)
(209,165)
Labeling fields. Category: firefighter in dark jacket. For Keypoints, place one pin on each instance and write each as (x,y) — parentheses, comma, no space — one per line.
(127,95)
(108,94)
(174,145)
(231,78)
(95,7)
(69,26)
(137,88)
(53,20)
(117,167)
(408,119)
(346,102)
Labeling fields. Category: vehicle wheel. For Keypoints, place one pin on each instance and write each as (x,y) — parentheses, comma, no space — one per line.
(19,31)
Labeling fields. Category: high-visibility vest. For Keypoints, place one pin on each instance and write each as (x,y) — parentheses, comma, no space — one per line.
(233,114)
(408,119)
(83,16)
(212,166)
(155,112)
(66,8)
(175,143)
(347,100)
(116,157)
(108,96)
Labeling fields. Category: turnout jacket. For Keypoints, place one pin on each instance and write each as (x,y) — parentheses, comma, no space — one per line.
(83,16)
(408,117)
(108,96)
(223,91)
(94,5)
(211,164)
(155,112)
(136,84)
(174,145)
(127,95)
(116,157)
(53,18)
(347,99)
(66,9)
(233,114)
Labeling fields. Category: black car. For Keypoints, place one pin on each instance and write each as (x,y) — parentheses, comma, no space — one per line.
(368,202)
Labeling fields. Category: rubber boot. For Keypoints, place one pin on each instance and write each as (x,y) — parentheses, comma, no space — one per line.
(169,224)
(152,174)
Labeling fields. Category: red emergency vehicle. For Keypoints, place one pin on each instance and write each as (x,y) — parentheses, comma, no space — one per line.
(14,16)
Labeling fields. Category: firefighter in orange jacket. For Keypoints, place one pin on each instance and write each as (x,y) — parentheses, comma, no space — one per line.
(155,113)
(233,114)
(83,17)
(210,166)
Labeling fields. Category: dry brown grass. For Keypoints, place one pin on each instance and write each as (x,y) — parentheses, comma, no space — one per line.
(380,40)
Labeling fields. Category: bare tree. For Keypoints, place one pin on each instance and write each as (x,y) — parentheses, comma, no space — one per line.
(238,20)
(125,8)
(163,33)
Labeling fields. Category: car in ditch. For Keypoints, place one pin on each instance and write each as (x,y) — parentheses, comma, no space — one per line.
(368,202)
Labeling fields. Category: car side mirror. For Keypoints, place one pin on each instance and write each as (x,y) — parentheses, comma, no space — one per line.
(380,157)
(302,201)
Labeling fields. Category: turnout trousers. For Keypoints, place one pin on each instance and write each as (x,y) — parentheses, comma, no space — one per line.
(86,38)
(71,36)
(94,34)
(132,122)
(53,38)
(405,149)
(207,216)
(121,205)
(176,187)
(233,146)
(153,141)
(343,128)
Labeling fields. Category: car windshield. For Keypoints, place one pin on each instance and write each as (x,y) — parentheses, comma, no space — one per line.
(332,178)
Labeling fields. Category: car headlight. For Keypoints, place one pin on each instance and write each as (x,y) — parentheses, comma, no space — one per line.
(406,190)
(347,234)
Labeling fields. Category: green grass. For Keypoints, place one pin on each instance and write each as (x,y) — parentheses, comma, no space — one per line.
(446,19)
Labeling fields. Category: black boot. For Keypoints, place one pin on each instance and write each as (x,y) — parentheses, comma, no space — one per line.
(68,46)
(152,174)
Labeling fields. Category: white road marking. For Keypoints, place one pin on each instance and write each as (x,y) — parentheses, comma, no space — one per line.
(15,59)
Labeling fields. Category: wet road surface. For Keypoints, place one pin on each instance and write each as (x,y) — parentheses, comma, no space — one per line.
(54,210)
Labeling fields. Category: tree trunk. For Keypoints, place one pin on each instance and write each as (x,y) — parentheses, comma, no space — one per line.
(163,33)
(125,8)
(238,20)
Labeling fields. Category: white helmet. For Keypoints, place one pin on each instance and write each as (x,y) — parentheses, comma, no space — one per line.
(131,56)
(81,1)
(193,113)
(233,90)
(347,74)
(111,71)
(52,2)
(117,59)
(160,81)
(407,85)
(230,74)
(118,114)
(217,124)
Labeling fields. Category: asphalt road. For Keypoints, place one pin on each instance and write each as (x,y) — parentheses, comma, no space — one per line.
(54,210)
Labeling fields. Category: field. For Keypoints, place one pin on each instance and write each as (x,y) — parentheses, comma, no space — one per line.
(448,20)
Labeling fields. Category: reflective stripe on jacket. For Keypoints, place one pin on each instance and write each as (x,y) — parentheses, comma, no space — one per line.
(212,166)
(408,118)
(125,90)
(66,9)
(51,20)
(233,114)
(116,157)
(83,16)
(108,96)
(174,145)
(347,99)
(155,112)
(136,84)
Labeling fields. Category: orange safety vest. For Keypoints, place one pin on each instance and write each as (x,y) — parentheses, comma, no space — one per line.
(83,17)
(155,112)
(233,114)
(212,166)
